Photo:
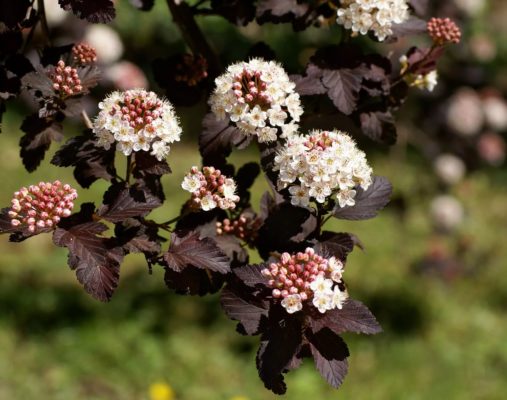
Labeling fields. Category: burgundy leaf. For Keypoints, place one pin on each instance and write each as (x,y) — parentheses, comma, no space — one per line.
(251,275)
(353,317)
(13,13)
(194,281)
(94,11)
(239,12)
(247,313)
(90,76)
(330,354)
(278,347)
(218,138)
(190,251)
(368,203)
(122,202)
(342,87)
(146,164)
(311,83)
(379,126)
(412,26)
(139,238)
(338,245)
(96,259)
(90,162)
(39,134)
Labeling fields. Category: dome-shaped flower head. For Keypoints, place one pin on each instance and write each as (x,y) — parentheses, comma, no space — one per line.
(137,120)
(322,164)
(259,98)
(306,277)
(41,206)
(377,16)
(210,189)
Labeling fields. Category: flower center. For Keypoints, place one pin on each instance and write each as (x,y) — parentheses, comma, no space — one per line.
(249,88)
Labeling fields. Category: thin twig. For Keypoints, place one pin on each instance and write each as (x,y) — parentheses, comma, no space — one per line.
(183,16)
(86,119)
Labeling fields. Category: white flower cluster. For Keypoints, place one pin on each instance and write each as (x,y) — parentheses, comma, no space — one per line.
(322,164)
(377,16)
(137,120)
(259,98)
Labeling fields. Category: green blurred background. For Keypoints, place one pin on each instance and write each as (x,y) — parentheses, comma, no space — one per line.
(441,297)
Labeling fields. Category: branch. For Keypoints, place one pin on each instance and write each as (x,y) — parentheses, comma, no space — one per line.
(184,18)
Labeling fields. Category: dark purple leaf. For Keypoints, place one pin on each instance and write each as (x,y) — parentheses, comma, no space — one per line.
(247,313)
(280,10)
(217,139)
(338,245)
(423,61)
(379,126)
(147,164)
(13,13)
(191,251)
(353,317)
(420,7)
(311,83)
(193,281)
(136,237)
(368,203)
(10,41)
(330,354)
(279,345)
(342,87)
(94,11)
(122,202)
(250,275)
(239,12)
(90,76)
(51,55)
(96,259)
(19,65)
(90,162)
(39,134)
(287,228)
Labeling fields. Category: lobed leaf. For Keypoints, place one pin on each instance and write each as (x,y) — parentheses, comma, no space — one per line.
(94,11)
(368,203)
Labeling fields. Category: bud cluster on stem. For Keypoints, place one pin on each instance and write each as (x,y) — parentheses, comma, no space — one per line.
(41,206)
(244,227)
(192,70)
(443,31)
(84,54)
(66,81)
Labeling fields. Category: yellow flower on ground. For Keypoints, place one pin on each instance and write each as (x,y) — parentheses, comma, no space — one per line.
(161,391)
(239,398)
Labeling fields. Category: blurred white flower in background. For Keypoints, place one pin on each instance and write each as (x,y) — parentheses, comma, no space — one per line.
(106,42)
(449,168)
(491,147)
(55,14)
(495,112)
(446,212)
(125,75)
(465,112)
(470,7)
(482,47)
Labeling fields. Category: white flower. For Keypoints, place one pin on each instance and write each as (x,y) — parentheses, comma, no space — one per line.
(208,203)
(316,166)
(229,189)
(338,298)
(191,183)
(323,301)
(138,121)
(449,168)
(465,113)
(256,95)
(292,303)
(336,269)
(378,16)
(321,285)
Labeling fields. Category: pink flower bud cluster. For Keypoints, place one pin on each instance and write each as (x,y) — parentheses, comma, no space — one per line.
(65,80)
(41,206)
(250,89)
(84,54)
(306,276)
(244,227)
(192,70)
(137,120)
(210,189)
(443,31)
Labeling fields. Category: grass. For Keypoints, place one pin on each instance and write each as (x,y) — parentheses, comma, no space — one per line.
(444,338)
